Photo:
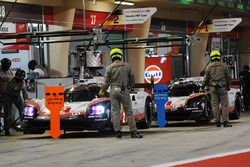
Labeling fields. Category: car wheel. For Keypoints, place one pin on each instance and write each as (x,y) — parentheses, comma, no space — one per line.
(206,111)
(1,128)
(146,122)
(238,107)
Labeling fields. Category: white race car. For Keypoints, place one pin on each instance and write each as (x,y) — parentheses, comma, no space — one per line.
(84,110)
(185,102)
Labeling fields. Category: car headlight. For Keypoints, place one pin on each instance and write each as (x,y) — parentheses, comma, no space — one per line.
(196,103)
(96,110)
(29,112)
(99,109)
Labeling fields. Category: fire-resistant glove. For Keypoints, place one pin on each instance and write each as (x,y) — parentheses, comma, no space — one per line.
(201,89)
(101,93)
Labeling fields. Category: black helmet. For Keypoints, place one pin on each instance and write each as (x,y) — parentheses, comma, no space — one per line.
(246,67)
(20,75)
(5,63)
(32,64)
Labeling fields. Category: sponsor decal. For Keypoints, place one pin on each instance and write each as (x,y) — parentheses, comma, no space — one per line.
(153,71)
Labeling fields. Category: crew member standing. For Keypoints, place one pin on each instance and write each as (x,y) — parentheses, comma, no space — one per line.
(5,77)
(120,79)
(245,86)
(217,78)
(15,87)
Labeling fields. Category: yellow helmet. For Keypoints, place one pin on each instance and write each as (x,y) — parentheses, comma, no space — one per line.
(116,54)
(215,54)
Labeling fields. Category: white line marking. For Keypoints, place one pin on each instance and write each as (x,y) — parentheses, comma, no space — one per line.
(202,158)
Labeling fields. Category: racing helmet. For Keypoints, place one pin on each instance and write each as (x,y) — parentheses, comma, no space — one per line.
(215,55)
(20,75)
(5,64)
(116,54)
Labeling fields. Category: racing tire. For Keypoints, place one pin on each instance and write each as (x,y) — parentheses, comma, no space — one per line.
(1,128)
(206,113)
(238,108)
(147,120)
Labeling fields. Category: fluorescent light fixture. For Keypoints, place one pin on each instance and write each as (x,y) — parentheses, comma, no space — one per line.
(124,3)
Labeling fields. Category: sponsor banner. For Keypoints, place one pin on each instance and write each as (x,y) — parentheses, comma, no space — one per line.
(158,67)
(7,28)
(153,71)
(19,59)
(14,28)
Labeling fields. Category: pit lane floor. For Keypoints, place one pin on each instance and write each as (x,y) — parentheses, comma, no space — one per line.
(176,142)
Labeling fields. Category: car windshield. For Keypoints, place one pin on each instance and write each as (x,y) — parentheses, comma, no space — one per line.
(81,93)
(183,90)
(80,96)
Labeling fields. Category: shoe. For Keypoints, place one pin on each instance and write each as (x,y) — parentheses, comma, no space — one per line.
(218,124)
(118,134)
(226,124)
(7,132)
(136,135)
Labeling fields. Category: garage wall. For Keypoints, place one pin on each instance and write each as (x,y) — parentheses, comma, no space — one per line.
(244,48)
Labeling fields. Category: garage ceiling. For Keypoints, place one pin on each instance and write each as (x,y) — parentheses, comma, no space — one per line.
(166,9)
(194,12)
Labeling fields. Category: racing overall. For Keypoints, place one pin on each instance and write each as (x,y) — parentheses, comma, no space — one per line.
(14,97)
(217,77)
(5,78)
(120,79)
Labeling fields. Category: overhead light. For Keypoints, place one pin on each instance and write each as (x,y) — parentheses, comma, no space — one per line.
(124,3)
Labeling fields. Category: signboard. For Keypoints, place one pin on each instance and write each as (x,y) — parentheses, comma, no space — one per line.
(54,101)
(229,60)
(158,67)
(131,16)
(220,25)
(161,97)
(153,71)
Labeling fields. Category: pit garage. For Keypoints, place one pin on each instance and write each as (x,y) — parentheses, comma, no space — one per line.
(66,122)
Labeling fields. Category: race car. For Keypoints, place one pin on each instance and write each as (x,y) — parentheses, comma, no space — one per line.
(185,102)
(84,110)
